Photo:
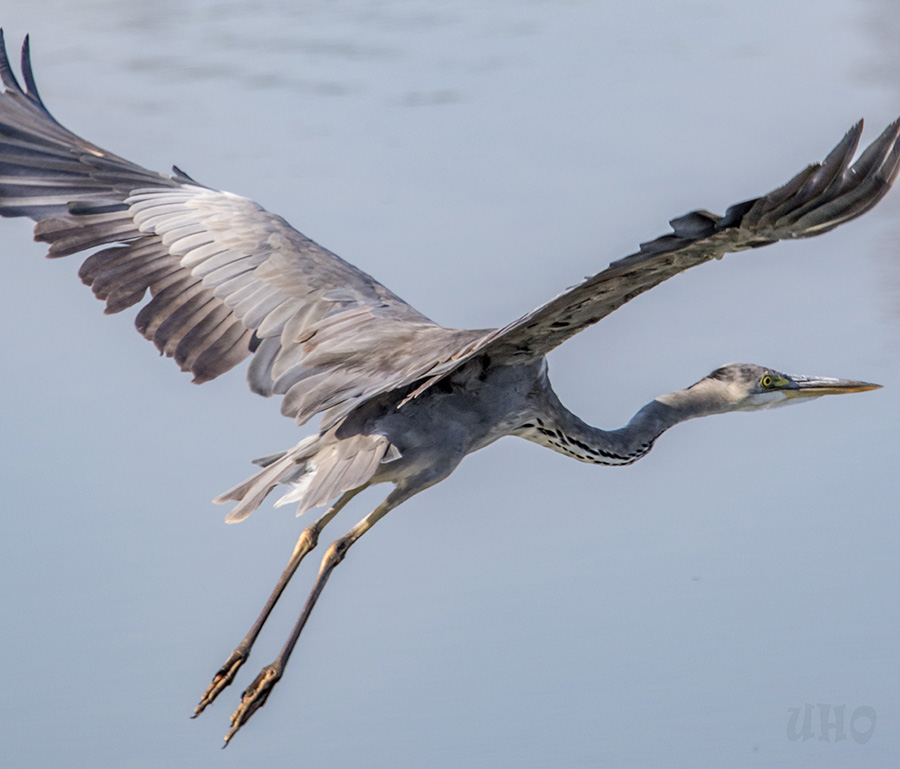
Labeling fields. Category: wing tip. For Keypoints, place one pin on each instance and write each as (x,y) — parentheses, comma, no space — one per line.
(8,78)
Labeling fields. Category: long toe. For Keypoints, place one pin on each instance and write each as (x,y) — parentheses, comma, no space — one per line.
(253,698)
(222,679)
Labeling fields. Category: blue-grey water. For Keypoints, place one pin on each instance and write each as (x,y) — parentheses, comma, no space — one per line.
(530,611)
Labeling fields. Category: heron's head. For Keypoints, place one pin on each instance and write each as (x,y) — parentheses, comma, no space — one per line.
(747,387)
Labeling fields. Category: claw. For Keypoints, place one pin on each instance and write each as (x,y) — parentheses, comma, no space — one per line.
(253,698)
(222,678)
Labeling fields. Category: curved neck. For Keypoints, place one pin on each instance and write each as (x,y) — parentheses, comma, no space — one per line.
(558,428)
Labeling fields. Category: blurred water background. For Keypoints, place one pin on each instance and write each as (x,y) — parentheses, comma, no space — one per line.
(530,611)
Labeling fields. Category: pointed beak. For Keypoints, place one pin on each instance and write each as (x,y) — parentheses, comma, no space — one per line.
(813,387)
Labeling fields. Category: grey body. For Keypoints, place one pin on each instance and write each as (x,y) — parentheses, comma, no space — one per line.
(402,399)
(473,407)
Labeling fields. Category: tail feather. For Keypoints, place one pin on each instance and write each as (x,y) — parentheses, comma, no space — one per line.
(268,459)
(318,469)
(348,464)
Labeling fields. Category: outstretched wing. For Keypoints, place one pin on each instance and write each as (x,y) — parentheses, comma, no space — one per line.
(227,278)
(818,199)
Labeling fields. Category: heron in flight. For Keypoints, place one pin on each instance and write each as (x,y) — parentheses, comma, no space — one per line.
(402,399)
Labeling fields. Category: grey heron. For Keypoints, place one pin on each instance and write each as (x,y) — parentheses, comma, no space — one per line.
(402,399)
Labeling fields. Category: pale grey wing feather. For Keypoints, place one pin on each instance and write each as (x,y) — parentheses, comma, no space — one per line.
(226,278)
(818,199)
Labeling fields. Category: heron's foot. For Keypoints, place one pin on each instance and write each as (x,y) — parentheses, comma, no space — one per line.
(222,679)
(254,697)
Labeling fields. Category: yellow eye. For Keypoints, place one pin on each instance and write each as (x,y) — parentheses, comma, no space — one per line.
(766,381)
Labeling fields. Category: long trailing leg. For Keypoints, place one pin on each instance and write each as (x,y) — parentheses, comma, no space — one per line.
(255,695)
(307,541)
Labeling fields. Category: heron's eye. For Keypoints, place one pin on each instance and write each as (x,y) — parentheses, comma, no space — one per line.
(766,381)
